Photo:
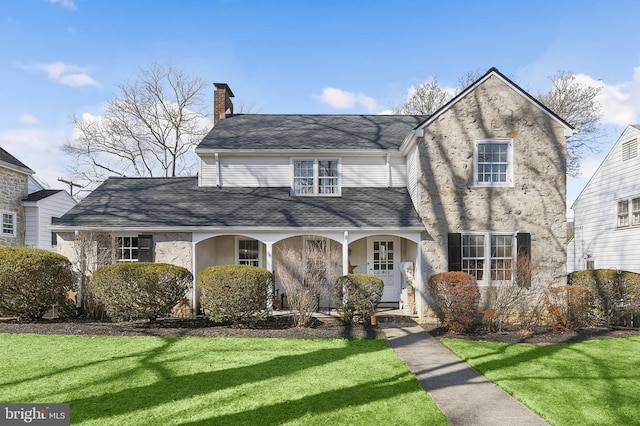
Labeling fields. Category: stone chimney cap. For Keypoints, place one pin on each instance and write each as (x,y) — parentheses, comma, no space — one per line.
(225,87)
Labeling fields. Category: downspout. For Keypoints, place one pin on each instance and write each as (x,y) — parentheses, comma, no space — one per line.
(218,170)
(388,170)
(194,289)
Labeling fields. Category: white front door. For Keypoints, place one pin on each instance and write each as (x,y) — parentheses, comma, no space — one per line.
(383,258)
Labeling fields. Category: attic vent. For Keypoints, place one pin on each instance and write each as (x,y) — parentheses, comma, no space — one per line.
(630,149)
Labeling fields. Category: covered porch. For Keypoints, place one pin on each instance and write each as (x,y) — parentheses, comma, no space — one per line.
(390,254)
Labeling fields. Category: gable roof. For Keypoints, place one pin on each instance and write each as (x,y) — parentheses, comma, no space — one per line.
(170,203)
(309,132)
(13,162)
(41,195)
(493,72)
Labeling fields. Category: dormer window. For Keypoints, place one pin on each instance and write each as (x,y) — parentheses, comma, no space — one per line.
(316,177)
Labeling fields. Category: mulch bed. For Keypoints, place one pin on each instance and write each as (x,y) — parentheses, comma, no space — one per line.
(280,326)
(538,335)
(200,327)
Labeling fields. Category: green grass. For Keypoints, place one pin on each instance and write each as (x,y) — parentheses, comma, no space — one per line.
(589,383)
(203,381)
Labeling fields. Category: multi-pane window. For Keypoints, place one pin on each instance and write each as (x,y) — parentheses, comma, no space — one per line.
(8,224)
(493,163)
(623,213)
(629,149)
(473,255)
(127,249)
(383,256)
(488,255)
(316,177)
(590,264)
(635,211)
(248,252)
(501,257)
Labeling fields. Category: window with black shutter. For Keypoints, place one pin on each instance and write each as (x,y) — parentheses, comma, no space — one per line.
(145,248)
(455,252)
(523,265)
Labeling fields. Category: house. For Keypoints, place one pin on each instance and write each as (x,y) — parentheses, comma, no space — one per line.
(607,212)
(466,188)
(27,207)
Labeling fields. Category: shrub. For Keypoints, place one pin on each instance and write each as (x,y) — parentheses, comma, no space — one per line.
(32,280)
(139,289)
(234,293)
(363,296)
(616,294)
(307,276)
(569,306)
(456,296)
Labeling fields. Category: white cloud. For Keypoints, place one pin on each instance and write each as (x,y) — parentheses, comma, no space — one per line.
(620,102)
(69,4)
(29,119)
(341,99)
(67,74)
(40,150)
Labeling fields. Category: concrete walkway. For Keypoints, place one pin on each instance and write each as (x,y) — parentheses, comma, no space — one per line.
(464,396)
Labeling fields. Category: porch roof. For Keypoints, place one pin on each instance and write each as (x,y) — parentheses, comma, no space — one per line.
(180,204)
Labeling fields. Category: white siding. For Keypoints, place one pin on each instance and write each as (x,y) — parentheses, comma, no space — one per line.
(412,174)
(257,171)
(39,216)
(595,214)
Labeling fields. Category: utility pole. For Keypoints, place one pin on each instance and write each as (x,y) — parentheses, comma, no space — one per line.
(71,185)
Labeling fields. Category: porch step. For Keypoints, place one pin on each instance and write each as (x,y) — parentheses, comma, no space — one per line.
(396,316)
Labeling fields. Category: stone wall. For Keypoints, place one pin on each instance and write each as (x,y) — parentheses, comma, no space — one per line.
(13,188)
(173,248)
(536,203)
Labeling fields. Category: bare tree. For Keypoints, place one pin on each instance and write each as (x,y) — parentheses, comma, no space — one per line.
(147,130)
(308,276)
(424,99)
(577,104)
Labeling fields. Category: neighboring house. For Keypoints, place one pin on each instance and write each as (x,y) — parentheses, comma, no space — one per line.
(467,188)
(607,212)
(27,208)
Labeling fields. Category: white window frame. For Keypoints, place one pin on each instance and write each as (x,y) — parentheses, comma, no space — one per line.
(316,190)
(488,256)
(622,213)
(509,163)
(12,225)
(237,251)
(120,248)
(635,211)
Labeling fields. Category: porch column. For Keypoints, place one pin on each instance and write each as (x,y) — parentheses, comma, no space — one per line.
(269,267)
(194,307)
(418,283)
(345,254)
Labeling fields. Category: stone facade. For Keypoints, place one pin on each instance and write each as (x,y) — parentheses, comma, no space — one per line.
(449,201)
(13,188)
(173,248)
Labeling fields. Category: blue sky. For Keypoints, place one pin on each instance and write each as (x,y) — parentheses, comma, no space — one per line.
(64,57)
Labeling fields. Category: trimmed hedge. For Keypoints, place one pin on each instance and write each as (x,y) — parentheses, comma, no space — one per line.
(364,293)
(456,297)
(234,293)
(32,280)
(139,289)
(616,294)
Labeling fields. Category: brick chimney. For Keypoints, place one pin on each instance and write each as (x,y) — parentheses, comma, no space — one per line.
(222,102)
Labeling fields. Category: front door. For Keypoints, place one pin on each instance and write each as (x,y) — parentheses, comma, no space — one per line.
(383,258)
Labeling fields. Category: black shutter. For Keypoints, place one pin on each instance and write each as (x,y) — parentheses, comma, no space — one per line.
(145,248)
(455,252)
(523,242)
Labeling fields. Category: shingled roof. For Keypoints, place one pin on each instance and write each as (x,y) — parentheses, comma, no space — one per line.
(265,132)
(160,203)
(10,159)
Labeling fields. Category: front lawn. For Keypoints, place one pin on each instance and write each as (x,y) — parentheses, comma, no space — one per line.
(203,381)
(589,383)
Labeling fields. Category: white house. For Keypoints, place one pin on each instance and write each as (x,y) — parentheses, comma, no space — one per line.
(472,187)
(28,208)
(607,212)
